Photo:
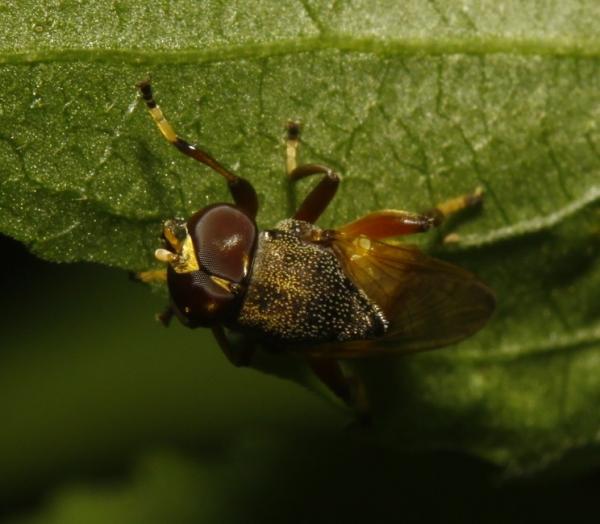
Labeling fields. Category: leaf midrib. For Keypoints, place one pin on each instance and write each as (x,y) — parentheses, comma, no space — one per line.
(559,47)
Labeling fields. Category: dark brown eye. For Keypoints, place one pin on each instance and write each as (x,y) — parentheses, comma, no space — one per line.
(197,300)
(224,239)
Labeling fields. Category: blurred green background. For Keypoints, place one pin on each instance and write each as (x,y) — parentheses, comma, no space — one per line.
(108,417)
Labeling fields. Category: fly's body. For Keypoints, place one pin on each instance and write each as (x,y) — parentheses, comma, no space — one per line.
(327,293)
(299,293)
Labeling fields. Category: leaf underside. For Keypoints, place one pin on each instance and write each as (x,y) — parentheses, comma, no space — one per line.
(411,105)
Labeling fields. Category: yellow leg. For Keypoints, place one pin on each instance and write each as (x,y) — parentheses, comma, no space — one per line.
(319,198)
(291,149)
(162,123)
(454,205)
(169,133)
(153,275)
(241,190)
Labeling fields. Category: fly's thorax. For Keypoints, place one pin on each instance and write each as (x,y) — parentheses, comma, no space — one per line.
(298,291)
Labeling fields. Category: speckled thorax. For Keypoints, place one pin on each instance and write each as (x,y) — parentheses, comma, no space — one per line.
(299,293)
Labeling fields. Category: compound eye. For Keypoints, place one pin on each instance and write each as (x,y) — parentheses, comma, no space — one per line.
(197,300)
(224,239)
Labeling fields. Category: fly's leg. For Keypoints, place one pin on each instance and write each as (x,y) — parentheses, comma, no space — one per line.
(241,358)
(150,276)
(319,198)
(390,223)
(329,371)
(322,194)
(166,316)
(449,207)
(292,141)
(241,190)
(350,389)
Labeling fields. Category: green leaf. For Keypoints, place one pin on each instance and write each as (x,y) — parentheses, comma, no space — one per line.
(411,103)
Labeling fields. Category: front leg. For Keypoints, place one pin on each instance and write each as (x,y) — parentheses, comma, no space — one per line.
(241,190)
(150,276)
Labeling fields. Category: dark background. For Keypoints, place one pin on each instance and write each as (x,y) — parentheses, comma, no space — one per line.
(108,417)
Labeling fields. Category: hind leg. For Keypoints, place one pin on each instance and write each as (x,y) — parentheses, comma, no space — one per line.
(350,389)
(392,223)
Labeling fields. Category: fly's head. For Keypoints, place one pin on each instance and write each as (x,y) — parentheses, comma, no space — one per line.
(209,258)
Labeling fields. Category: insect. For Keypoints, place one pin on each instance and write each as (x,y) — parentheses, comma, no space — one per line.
(329,294)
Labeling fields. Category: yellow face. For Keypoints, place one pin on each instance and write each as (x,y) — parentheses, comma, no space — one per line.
(182,256)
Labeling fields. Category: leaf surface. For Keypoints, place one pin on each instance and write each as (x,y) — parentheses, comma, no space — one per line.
(412,104)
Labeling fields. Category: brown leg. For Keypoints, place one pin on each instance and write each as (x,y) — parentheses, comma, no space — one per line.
(239,358)
(166,316)
(388,223)
(349,389)
(391,223)
(319,198)
(241,190)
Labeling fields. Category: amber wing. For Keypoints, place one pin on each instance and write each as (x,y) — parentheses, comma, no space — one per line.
(429,303)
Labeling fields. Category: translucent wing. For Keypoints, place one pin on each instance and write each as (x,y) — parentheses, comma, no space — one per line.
(429,303)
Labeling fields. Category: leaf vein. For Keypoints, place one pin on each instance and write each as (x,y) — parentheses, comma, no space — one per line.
(533,225)
(477,45)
